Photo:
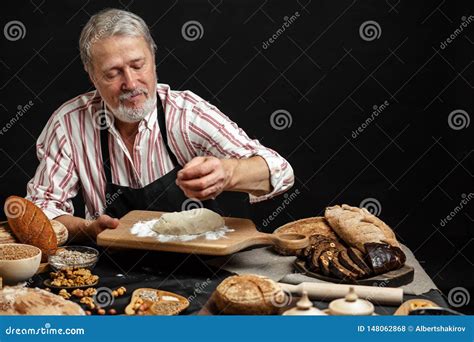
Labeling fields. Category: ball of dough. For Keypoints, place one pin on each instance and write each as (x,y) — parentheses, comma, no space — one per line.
(189,222)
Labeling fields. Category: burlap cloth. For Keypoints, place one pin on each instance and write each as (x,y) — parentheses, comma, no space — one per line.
(264,261)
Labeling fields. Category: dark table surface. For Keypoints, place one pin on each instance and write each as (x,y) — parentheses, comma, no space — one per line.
(184,274)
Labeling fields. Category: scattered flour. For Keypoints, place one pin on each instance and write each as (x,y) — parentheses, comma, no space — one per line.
(143,229)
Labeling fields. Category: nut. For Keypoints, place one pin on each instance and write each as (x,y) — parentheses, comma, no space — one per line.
(112,312)
(101,312)
(63,293)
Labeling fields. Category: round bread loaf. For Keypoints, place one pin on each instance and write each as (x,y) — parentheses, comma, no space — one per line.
(309,226)
(61,232)
(30,225)
(249,295)
(28,301)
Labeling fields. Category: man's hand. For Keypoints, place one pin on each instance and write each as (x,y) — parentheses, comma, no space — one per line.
(94,227)
(206,177)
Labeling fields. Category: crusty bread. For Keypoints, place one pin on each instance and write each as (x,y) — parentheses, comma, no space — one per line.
(308,226)
(248,295)
(61,232)
(357,226)
(30,225)
(7,236)
(27,301)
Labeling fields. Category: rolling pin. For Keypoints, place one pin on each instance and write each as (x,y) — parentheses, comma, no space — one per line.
(326,292)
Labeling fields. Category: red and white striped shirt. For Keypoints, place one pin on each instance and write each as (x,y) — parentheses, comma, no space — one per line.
(69,151)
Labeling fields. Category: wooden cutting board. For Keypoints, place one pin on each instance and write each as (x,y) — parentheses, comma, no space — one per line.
(245,235)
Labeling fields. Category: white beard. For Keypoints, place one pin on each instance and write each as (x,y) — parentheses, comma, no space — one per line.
(130,115)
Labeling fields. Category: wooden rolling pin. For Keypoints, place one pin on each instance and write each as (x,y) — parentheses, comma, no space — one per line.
(327,292)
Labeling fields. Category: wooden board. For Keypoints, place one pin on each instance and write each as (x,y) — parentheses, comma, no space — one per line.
(244,235)
(395,278)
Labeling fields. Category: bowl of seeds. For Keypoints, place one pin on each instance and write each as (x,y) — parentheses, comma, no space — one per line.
(73,257)
(18,262)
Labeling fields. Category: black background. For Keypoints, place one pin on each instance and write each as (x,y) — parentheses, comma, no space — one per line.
(322,72)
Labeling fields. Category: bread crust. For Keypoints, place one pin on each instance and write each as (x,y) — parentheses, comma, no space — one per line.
(248,295)
(30,225)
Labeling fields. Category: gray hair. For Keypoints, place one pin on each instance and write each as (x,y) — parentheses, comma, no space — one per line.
(112,22)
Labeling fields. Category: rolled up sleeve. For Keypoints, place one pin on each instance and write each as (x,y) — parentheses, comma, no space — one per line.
(55,181)
(211,132)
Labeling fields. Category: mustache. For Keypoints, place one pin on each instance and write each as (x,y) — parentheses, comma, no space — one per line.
(128,94)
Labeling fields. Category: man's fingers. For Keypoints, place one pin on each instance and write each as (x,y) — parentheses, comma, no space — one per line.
(200,183)
(197,171)
(193,162)
(105,221)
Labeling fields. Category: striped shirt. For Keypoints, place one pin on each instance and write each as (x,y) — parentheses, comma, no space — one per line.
(70,156)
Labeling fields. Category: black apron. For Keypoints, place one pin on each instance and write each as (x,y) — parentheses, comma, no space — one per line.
(160,195)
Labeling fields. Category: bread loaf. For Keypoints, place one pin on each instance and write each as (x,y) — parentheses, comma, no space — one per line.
(309,226)
(30,225)
(357,226)
(27,301)
(248,295)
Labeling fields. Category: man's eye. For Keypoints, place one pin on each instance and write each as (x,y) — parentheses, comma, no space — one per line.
(137,66)
(111,75)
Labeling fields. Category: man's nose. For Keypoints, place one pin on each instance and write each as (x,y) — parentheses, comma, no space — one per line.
(129,82)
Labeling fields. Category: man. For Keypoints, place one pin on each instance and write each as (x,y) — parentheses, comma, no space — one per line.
(135,144)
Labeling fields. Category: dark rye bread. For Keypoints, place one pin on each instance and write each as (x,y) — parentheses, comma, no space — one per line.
(358,258)
(339,270)
(30,225)
(314,241)
(318,249)
(347,262)
(324,261)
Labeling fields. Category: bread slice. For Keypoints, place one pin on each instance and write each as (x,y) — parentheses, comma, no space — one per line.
(347,262)
(339,271)
(30,225)
(315,241)
(358,258)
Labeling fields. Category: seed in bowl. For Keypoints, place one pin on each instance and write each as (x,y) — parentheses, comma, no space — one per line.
(71,257)
(17,252)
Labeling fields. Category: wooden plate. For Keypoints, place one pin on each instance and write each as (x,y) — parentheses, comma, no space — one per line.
(394,278)
(162,298)
(47,283)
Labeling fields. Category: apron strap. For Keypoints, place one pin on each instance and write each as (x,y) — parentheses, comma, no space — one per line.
(104,140)
(161,122)
(104,146)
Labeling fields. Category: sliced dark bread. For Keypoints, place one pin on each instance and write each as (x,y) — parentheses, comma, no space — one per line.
(324,261)
(340,271)
(314,241)
(358,258)
(347,262)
